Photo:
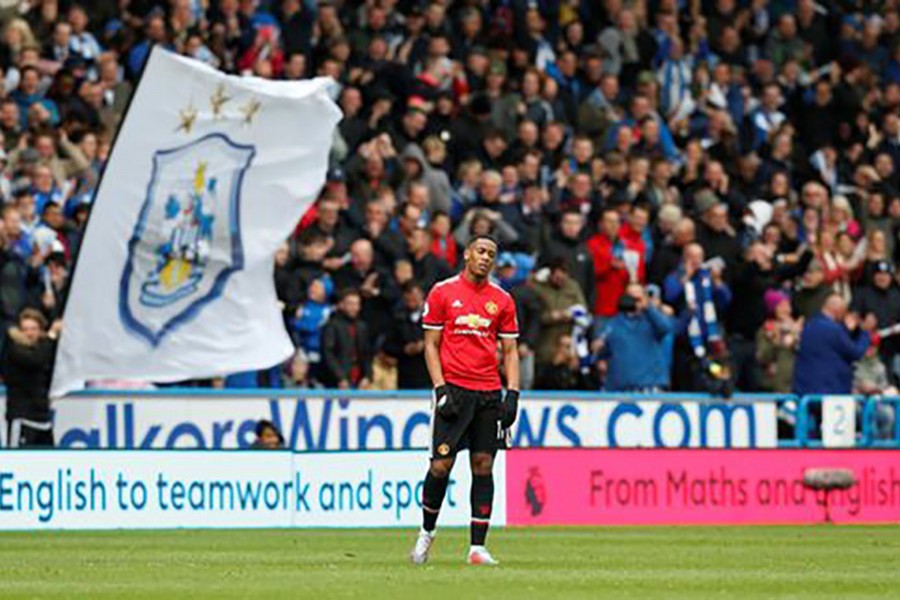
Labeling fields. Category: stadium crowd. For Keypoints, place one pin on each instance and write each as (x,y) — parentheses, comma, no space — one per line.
(693,195)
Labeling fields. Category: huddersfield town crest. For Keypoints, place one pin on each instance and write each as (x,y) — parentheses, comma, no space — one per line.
(187,240)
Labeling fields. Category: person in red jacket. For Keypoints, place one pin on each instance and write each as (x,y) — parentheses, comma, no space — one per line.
(610,273)
(632,235)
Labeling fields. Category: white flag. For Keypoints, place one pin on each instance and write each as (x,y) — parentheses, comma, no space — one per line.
(210,173)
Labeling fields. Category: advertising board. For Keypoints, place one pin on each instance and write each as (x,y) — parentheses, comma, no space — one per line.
(109,489)
(323,422)
(677,486)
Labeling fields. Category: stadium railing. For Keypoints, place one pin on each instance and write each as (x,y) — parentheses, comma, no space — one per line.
(878,427)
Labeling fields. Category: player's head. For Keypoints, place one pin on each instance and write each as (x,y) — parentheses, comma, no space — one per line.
(480,255)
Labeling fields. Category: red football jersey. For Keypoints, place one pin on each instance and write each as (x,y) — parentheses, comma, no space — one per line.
(471,317)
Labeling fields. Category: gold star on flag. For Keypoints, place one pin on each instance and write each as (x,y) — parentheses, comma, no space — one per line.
(250,110)
(218,100)
(188,116)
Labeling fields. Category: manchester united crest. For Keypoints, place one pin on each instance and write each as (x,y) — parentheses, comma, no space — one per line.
(491,308)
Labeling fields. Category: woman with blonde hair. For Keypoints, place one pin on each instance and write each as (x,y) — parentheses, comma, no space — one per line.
(837,271)
(18,36)
(874,250)
(842,218)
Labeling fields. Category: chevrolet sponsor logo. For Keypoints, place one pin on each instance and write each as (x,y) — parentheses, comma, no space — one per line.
(473,321)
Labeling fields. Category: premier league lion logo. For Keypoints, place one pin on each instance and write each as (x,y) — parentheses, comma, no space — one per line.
(187,240)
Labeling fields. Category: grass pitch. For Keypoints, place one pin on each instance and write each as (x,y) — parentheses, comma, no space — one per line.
(674,562)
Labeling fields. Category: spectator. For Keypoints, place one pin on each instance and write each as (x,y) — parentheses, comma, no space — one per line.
(562,372)
(880,297)
(560,297)
(296,374)
(346,350)
(30,348)
(428,269)
(388,244)
(776,343)
(633,345)
(528,312)
(268,437)
(567,243)
(752,278)
(670,250)
(870,378)
(375,286)
(698,295)
(418,169)
(405,343)
(715,234)
(443,246)
(307,323)
(610,271)
(812,291)
(879,301)
(831,342)
(19,267)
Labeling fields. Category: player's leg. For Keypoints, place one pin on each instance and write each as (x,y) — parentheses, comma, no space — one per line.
(482,501)
(487,437)
(446,433)
(434,490)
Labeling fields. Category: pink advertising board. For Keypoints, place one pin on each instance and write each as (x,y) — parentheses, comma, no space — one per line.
(558,486)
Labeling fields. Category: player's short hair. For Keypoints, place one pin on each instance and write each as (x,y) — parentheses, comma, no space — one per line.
(483,236)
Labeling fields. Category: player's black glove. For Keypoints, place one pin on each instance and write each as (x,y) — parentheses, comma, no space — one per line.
(444,403)
(510,408)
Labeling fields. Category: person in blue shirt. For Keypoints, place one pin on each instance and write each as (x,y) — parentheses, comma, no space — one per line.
(633,344)
(306,327)
(155,34)
(29,93)
(641,108)
(831,341)
(697,292)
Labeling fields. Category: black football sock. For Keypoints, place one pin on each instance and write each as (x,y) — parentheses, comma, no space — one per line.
(482,498)
(432,498)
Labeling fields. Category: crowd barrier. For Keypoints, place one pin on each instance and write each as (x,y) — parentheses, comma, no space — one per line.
(336,420)
(152,489)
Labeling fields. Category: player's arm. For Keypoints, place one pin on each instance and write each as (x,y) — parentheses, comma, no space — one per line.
(508,334)
(433,357)
(511,362)
(511,368)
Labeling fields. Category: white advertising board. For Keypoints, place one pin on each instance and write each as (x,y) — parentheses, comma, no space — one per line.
(132,489)
(322,422)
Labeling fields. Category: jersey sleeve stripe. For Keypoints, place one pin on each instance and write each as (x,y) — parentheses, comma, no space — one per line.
(511,336)
(434,327)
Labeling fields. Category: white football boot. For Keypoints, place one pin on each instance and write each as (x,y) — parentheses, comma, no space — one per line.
(479,555)
(419,554)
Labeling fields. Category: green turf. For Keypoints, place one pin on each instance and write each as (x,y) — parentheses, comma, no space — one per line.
(675,562)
